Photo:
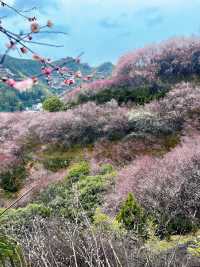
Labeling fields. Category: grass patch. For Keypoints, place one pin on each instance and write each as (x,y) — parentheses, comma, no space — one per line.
(55,159)
(162,245)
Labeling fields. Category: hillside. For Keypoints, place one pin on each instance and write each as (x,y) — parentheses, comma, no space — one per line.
(145,74)
(11,100)
(26,67)
(115,179)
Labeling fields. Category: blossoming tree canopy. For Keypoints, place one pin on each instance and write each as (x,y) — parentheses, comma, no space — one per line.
(21,42)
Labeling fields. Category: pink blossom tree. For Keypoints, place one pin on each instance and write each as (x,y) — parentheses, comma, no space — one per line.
(150,71)
(21,42)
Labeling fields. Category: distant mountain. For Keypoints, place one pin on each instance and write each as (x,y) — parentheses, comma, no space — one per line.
(28,67)
(106,69)
(22,67)
(11,100)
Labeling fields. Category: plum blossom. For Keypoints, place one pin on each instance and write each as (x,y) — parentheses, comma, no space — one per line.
(21,85)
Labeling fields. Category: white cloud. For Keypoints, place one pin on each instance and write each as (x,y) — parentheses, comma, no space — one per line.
(126,24)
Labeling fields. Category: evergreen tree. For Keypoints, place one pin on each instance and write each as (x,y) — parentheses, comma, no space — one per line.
(132,216)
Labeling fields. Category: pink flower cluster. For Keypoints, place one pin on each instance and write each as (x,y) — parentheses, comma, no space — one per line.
(21,85)
(183,103)
(168,182)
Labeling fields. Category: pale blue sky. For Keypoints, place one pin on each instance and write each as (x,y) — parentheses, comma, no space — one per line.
(106,29)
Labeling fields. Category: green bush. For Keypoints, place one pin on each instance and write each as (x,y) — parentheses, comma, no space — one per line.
(181,225)
(10,252)
(53,193)
(53,104)
(105,223)
(78,170)
(106,169)
(19,216)
(12,179)
(132,216)
(61,197)
(90,191)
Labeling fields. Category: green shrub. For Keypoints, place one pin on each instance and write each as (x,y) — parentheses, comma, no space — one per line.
(12,179)
(22,216)
(78,192)
(107,224)
(181,225)
(53,193)
(10,252)
(90,190)
(78,170)
(53,104)
(132,216)
(106,169)
(61,197)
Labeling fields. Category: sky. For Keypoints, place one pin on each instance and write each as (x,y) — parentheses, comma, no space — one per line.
(106,29)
